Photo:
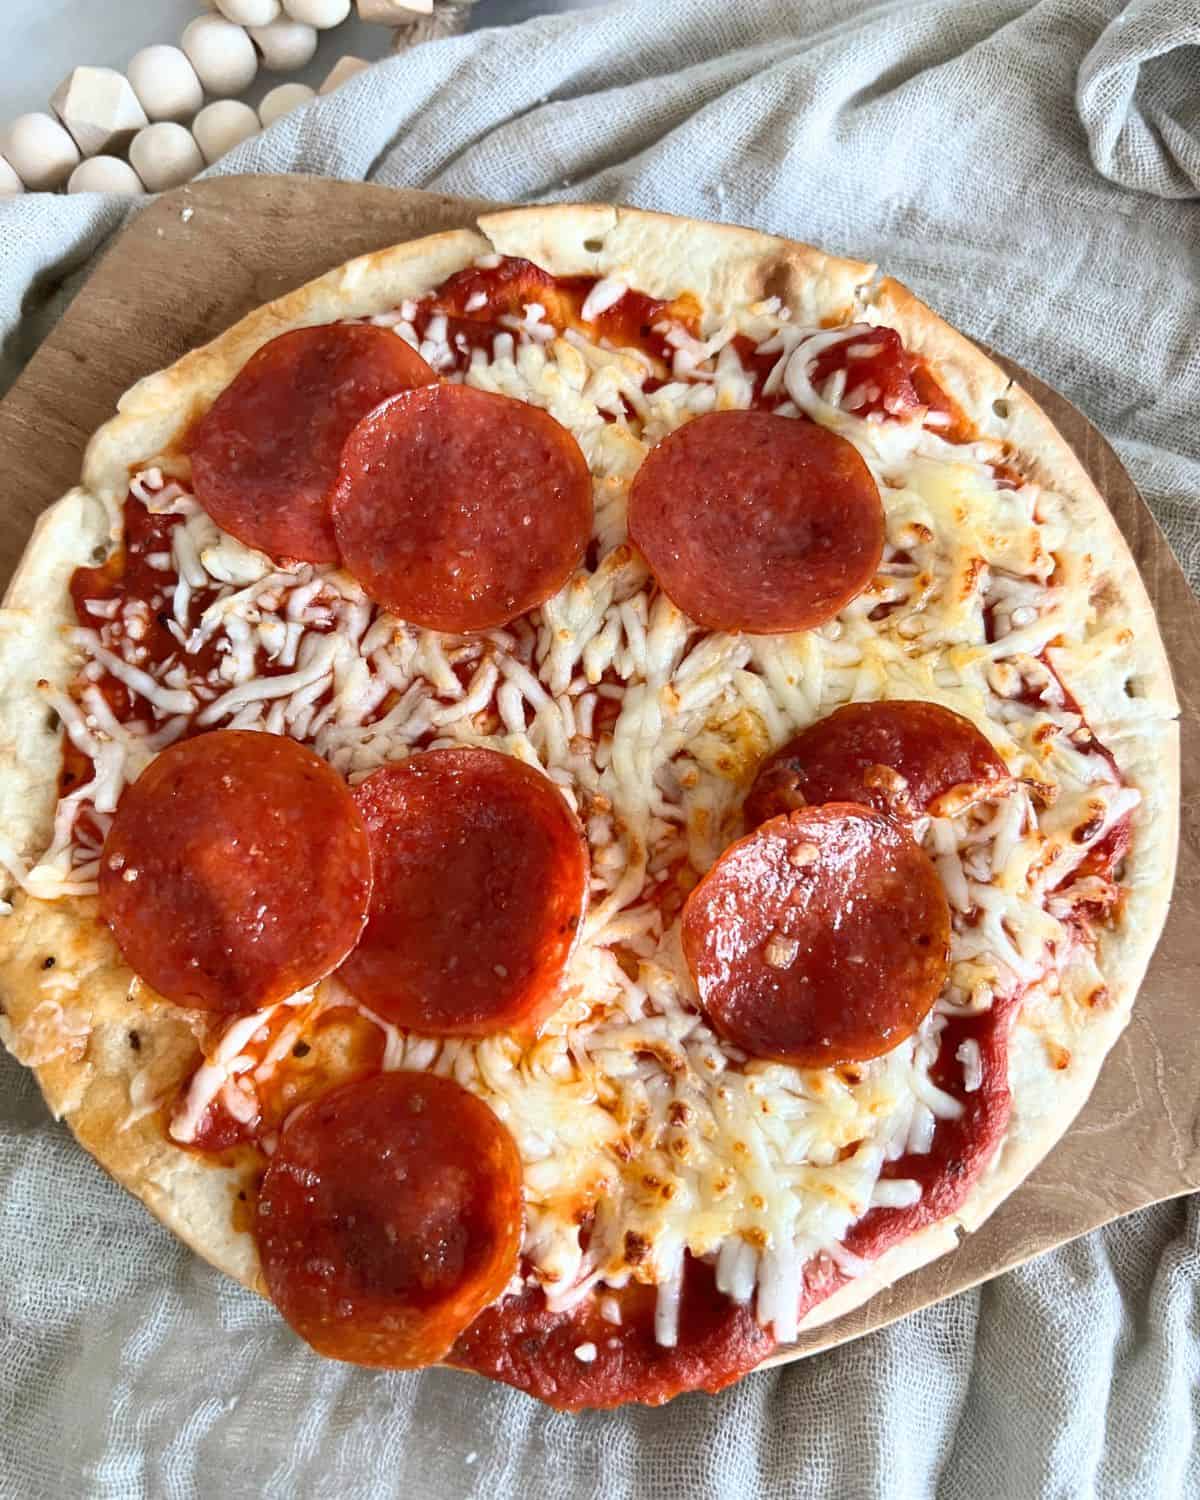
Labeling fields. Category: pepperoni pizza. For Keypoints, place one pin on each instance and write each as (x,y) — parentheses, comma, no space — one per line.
(579,796)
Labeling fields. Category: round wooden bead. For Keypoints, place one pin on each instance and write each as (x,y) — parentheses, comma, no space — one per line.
(221,53)
(40,151)
(248,12)
(282,100)
(319,13)
(165,155)
(105,174)
(221,126)
(165,83)
(285,45)
(10,184)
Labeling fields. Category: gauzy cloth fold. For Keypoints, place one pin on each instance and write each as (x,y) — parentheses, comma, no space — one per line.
(1032,170)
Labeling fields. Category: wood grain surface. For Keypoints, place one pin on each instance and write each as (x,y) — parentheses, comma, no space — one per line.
(170,283)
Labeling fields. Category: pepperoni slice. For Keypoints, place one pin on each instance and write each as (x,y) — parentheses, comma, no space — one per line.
(756,522)
(821,938)
(899,756)
(265,454)
(579,1358)
(389,1217)
(458,509)
(481,876)
(237,871)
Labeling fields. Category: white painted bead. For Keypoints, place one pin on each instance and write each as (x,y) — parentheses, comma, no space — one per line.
(282,100)
(105,174)
(10,184)
(319,13)
(40,150)
(221,53)
(248,12)
(285,45)
(99,109)
(341,72)
(165,155)
(393,12)
(165,83)
(222,125)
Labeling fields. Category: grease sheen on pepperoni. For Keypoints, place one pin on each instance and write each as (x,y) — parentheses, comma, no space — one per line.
(751,521)
(237,871)
(898,756)
(522,1342)
(820,938)
(481,877)
(389,1217)
(265,455)
(459,509)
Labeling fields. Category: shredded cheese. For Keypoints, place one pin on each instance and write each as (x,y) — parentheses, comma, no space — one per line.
(629,1112)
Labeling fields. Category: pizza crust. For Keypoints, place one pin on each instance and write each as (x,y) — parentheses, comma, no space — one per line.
(94,1083)
(723,265)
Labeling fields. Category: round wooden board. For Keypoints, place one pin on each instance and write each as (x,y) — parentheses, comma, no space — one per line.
(170,283)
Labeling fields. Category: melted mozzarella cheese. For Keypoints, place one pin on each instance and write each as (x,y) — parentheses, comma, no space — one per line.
(631,1116)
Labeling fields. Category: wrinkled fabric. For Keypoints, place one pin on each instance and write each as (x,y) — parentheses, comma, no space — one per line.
(1032,171)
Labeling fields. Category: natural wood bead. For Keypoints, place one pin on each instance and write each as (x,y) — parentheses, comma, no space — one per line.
(40,151)
(285,45)
(165,83)
(221,126)
(392,12)
(319,13)
(105,174)
(282,100)
(165,155)
(99,109)
(248,12)
(221,53)
(11,185)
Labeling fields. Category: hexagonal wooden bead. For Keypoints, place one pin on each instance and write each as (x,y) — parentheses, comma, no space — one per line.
(100,109)
(342,71)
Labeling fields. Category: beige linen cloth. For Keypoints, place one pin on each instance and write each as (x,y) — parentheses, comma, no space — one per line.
(1032,169)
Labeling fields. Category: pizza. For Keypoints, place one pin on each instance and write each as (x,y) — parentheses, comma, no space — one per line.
(579,797)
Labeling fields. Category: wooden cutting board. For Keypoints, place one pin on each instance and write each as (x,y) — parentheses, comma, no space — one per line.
(175,278)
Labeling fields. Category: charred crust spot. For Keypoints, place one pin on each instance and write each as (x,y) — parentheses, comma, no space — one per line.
(637,1247)
(135,1041)
(241,1195)
(49,961)
(777,279)
(301,1049)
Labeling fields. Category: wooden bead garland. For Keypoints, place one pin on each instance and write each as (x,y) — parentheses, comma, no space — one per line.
(145,111)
